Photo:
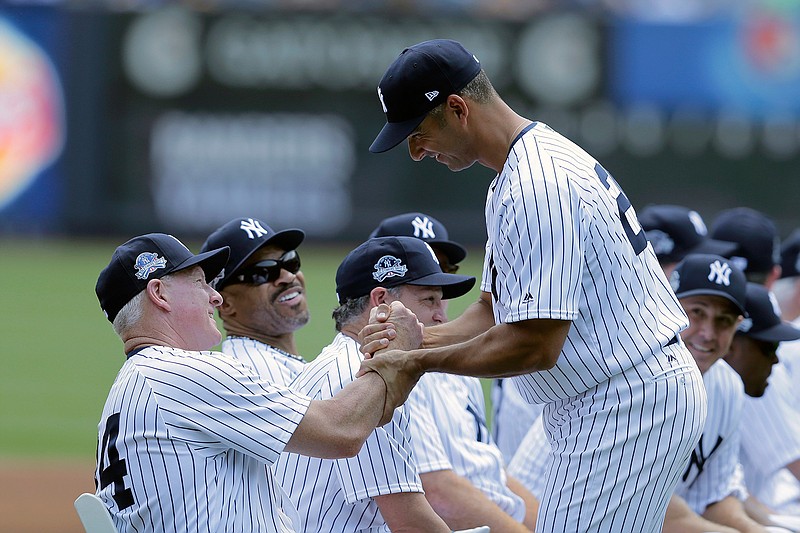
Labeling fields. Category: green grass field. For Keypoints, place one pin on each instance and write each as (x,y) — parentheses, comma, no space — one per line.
(60,355)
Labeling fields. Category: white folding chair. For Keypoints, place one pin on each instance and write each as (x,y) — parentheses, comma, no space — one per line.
(481,529)
(94,514)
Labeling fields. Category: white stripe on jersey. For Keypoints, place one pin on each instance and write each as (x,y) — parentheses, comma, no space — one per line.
(449,432)
(273,365)
(336,495)
(714,472)
(512,416)
(184,440)
(557,248)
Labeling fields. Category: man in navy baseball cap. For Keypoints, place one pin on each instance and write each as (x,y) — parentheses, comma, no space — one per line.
(712,292)
(754,347)
(393,261)
(144,258)
(430,230)
(420,79)
(264,296)
(758,252)
(245,236)
(676,231)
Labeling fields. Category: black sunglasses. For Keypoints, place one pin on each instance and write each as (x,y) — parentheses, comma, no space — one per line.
(268,270)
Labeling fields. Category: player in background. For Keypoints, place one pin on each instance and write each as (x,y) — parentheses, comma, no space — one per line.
(429,229)
(461,468)
(787,292)
(758,252)
(263,296)
(186,433)
(554,310)
(379,489)
(752,355)
(676,231)
(771,437)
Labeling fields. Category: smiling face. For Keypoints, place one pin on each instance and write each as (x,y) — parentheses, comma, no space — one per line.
(441,138)
(193,302)
(712,324)
(274,308)
(753,360)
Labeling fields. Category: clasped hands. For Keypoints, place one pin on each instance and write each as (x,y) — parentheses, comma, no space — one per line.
(392,330)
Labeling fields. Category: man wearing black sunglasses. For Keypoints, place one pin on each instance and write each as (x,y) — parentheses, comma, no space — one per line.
(264,297)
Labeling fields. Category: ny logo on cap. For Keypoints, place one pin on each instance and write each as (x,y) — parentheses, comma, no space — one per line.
(424,226)
(383,104)
(389,266)
(148,262)
(720,273)
(253,228)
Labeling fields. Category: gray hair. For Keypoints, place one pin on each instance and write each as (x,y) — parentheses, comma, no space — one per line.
(130,314)
(353,308)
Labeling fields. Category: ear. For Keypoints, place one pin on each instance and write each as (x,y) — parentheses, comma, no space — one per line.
(458,106)
(379,295)
(156,291)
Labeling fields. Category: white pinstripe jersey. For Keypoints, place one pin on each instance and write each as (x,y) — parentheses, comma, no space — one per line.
(512,417)
(564,243)
(714,471)
(184,440)
(449,432)
(273,365)
(336,495)
(770,432)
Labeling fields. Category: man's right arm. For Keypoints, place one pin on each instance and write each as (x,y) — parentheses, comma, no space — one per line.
(462,505)
(681,519)
(409,512)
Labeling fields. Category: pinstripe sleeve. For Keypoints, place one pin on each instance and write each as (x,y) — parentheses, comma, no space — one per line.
(214,401)
(540,230)
(529,464)
(771,427)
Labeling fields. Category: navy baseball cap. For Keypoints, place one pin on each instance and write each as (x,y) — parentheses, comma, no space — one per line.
(790,255)
(675,231)
(713,275)
(756,235)
(392,261)
(147,257)
(421,78)
(423,227)
(764,321)
(244,236)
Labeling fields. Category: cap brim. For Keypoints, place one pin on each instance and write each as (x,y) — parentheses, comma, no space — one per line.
(777,333)
(709,292)
(454,251)
(393,133)
(453,285)
(212,262)
(716,247)
(288,239)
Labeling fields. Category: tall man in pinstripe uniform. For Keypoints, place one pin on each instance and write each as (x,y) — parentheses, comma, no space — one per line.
(574,302)
(186,433)
(263,296)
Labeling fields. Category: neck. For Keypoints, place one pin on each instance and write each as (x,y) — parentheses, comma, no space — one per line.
(500,125)
(285,342)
